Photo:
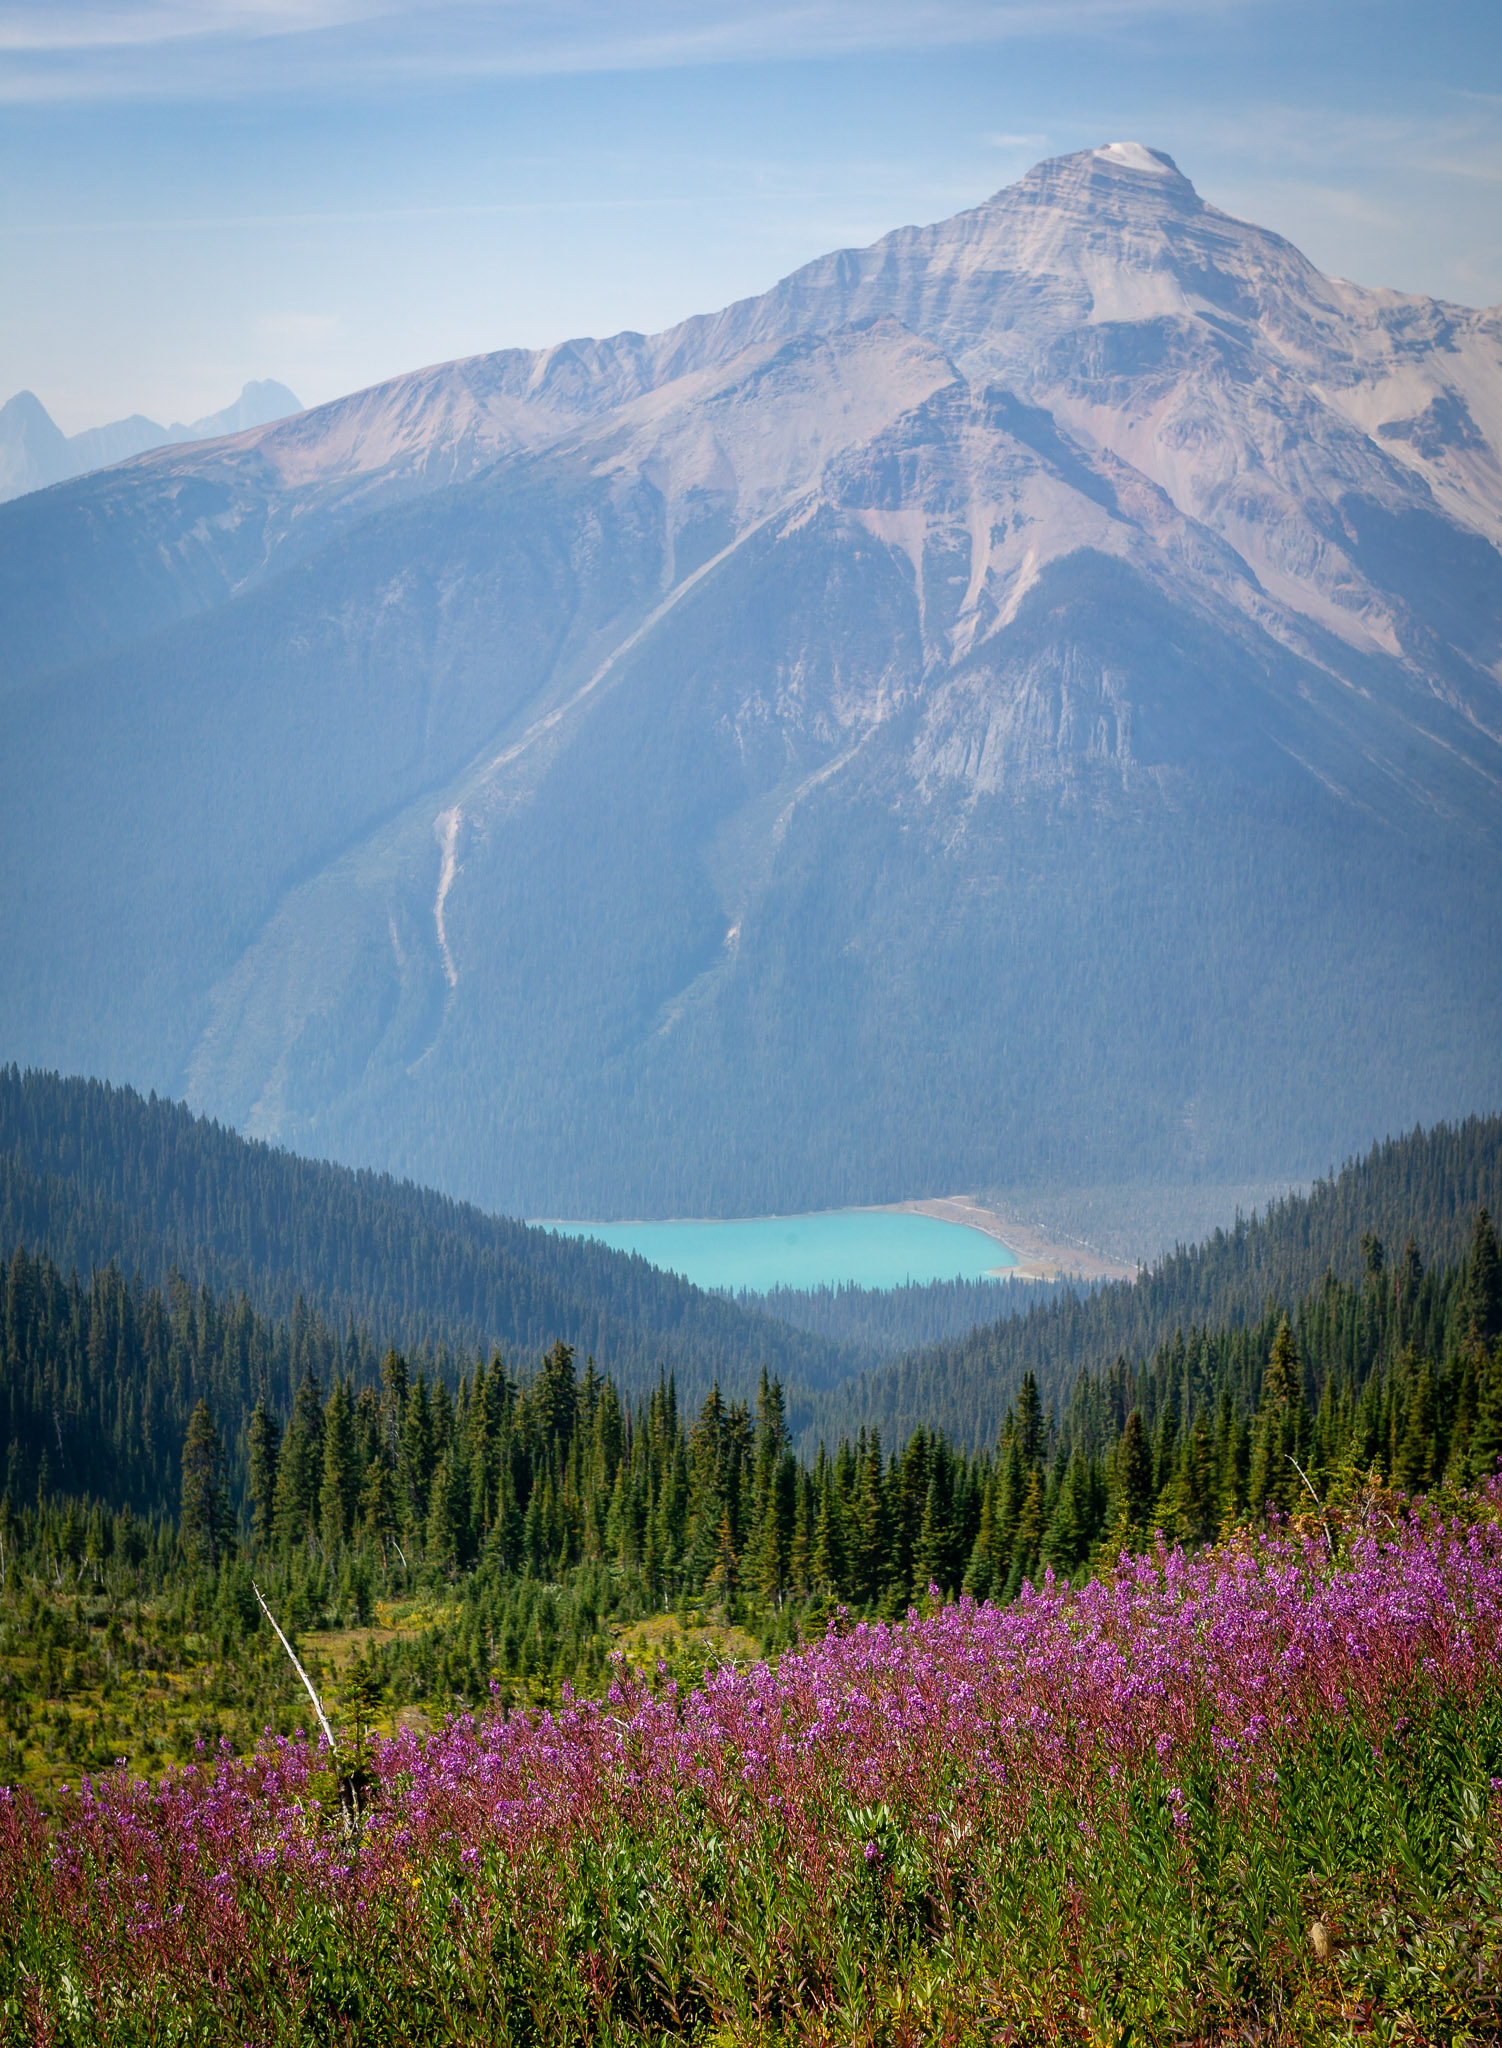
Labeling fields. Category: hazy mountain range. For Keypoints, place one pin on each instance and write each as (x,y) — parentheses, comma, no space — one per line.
(35,452)
(1025,697)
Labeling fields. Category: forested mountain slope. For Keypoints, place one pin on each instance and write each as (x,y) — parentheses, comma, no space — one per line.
(323,1449)
(1426,1186)
(1023,693)
(92,1174)
(157,1448)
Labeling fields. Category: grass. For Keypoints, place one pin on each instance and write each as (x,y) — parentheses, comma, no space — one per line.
(91,1677)
(1251,1796)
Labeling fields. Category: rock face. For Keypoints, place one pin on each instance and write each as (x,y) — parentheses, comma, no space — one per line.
(1023,698)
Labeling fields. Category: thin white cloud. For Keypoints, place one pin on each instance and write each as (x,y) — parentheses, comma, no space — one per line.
(64,29)
(1487,169)
(86,49)
(1318,147)
(198,223)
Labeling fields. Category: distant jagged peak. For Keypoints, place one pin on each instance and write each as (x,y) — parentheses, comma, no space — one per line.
(261,402)
(26,406)
(34,451)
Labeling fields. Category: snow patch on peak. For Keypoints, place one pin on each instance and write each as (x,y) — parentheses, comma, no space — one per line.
(1136,156)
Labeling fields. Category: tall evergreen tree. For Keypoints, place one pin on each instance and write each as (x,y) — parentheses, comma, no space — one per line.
(339,1488)
(1282,1427)
(1134,1482)
(299,1472)
(264,1441)
(206,1524)
(1483,1295)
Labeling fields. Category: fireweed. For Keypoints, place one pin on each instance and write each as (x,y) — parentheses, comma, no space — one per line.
(1094,1815)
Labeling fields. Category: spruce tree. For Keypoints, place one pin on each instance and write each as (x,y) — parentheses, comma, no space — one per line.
(1413,1467)
(206,1525)
(1071,1528)
(1282,1426)
(1483,1292)
(1134,1482)
(264,1438)
(339,1488)
(300,1467)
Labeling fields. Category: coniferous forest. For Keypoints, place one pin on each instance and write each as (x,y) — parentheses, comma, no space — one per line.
(443,1525)
(95,1174)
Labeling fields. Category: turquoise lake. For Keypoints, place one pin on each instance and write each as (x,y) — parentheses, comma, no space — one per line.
(854,1247)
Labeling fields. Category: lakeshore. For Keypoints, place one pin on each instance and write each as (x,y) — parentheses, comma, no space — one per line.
(1036,1255)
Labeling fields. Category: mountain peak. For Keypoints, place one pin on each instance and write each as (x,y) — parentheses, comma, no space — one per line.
(1099,184)
(873,694)
(1136,156)
(25,406)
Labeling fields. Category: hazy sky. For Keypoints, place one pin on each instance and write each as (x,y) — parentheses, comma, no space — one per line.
(197,192)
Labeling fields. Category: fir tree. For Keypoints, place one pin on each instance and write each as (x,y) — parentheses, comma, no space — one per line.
(1030,1429)
(1072,1526)
(872,1561)
(339,1490)
(1413,1467)
(1486,1436)
(827,1571)
(1134,1482)
(206,1524)
(264,1438)
(1282,1426)
(1031,1526)
(725,1574)
(300,1467)
(1483,1292)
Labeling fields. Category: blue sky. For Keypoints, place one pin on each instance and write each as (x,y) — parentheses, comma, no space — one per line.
(197,192)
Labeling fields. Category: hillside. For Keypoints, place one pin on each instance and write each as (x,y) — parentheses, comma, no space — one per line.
(1020,695)
(1426,1187)
(157,1446)
(91,1175)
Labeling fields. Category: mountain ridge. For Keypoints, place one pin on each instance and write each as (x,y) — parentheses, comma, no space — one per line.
(96,1176)
(34,452)
(1013,607)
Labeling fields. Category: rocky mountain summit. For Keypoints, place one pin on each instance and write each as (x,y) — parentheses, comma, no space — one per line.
(1027,691)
